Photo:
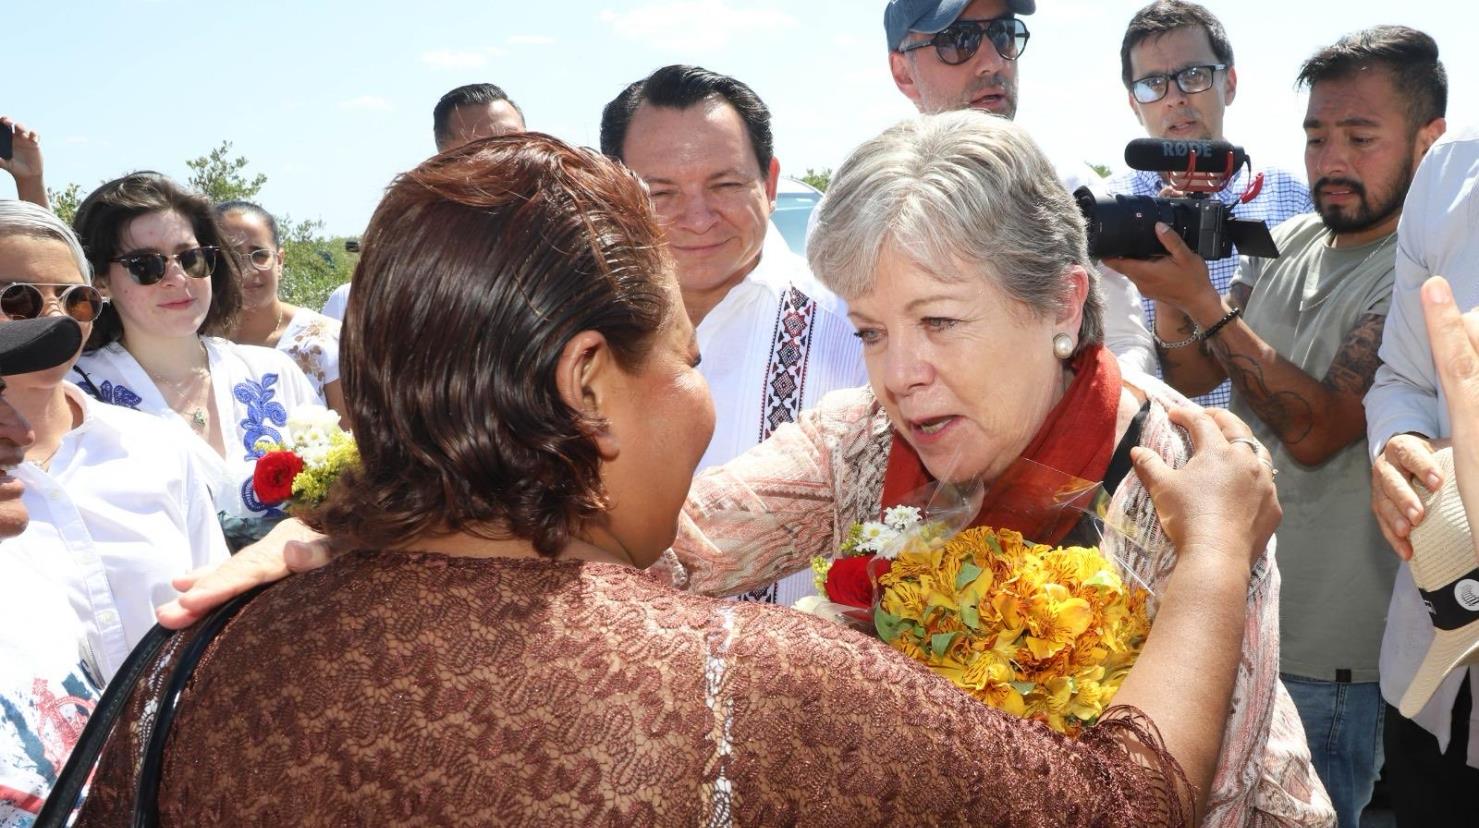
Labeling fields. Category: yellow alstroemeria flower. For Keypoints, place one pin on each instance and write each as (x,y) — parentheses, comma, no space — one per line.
(1055,619)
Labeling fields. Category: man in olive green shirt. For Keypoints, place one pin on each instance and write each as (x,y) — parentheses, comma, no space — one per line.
(1298,336)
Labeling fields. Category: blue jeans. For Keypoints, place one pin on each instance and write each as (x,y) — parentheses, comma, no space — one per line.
(1343,724)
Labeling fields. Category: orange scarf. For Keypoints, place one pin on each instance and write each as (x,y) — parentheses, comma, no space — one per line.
(1075,441)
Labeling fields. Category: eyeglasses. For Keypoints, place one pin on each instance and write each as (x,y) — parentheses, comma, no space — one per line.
(149,268)
(261,258)
(1191,80)
(25,300)
(959,42)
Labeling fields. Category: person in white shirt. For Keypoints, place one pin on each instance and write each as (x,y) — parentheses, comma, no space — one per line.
(1433,758)
(47,685)
(309,337)
(157,254)
(118,506)
(336,303)
(962,54)
(772,339)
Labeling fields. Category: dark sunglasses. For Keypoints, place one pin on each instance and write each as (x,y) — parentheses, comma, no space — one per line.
(1191,80)
(26,300)
(959,42)
(149,268)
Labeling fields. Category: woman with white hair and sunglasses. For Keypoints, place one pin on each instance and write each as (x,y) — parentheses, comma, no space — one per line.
(118,506)
(173,288)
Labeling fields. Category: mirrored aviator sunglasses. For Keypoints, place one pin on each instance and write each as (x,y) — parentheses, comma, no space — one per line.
(24,300)
(149,268)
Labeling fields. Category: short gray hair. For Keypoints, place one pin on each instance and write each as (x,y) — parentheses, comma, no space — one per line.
(22,218)
(956,186)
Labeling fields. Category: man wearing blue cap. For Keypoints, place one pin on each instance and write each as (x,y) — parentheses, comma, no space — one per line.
(962,54)
(973,62)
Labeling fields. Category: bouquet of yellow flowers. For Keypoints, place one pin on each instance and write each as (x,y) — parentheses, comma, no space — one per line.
(1046,633)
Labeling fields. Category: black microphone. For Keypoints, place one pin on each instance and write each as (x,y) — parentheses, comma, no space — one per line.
(1167,155)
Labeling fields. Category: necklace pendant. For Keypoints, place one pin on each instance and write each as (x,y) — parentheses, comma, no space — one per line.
(198,419)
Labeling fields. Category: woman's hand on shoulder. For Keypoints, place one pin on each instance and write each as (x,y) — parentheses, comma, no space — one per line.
(289,548)
(1224,497)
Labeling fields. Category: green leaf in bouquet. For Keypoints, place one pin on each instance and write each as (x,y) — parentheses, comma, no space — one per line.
(968,573)
(995,545)
(970,615)
(940,643)
(888,626)
(1023,687)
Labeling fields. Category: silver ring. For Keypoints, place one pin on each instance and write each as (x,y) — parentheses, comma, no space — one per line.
(1273,472)
(1251,443)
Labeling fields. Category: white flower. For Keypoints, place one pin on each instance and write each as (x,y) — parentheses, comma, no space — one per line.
(902,518)
(820,607)
(310,426)
(875,536)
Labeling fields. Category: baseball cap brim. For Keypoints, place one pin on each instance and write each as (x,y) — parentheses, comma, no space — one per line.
(901,18)
(28,345)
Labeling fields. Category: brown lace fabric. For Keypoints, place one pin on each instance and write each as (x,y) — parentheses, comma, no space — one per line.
(407,689)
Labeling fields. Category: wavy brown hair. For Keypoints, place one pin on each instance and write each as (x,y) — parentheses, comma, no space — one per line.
(106,213)
(477,269)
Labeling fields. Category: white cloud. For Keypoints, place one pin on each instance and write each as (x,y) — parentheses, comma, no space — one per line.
(694,26)
(76,139)
(366,103)
(452,59)
(530,40)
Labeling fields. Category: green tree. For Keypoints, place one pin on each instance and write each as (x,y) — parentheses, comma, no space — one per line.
(313,264)
(818,178)
(64,202)
(222,178)
(1102,169)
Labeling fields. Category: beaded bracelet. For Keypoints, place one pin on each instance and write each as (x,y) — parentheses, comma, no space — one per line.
(1220,324)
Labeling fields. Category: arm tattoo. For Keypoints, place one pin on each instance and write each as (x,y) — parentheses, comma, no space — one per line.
(1288,414)
(1354,368)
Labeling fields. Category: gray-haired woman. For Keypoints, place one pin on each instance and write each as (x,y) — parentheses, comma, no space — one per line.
(964,265)
(117,507)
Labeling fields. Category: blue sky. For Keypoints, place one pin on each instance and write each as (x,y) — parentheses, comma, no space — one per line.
(331,99)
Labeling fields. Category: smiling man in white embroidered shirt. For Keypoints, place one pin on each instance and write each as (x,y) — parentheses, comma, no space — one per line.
(773,341)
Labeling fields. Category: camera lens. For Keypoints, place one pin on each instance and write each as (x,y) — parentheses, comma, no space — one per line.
(1123,225)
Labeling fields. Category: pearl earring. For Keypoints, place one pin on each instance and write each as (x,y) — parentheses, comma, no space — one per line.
(1062,346)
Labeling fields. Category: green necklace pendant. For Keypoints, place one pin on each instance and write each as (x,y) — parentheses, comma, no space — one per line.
(197,420)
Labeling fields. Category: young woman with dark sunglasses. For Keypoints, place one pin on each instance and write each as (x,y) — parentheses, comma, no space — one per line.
(309,337)
(174,288)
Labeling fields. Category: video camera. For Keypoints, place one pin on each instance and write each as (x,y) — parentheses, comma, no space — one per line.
(1125,225)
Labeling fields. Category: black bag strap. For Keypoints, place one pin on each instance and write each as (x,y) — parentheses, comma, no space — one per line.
(67,791)
(146,800)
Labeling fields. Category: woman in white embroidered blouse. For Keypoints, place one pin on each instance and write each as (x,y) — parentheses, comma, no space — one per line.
(309,337)
(157,253)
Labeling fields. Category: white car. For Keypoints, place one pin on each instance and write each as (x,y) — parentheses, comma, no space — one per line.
(794,201)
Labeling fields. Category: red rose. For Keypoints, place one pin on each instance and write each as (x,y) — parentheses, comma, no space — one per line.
(272,479)
(848,581)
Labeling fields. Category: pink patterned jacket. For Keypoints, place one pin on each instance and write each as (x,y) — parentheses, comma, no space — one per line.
(766,513)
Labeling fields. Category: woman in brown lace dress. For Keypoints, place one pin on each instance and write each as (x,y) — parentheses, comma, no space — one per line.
(521,377)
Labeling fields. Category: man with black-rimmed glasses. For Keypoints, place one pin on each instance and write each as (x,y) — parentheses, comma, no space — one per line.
(946,55)
(1177,65)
